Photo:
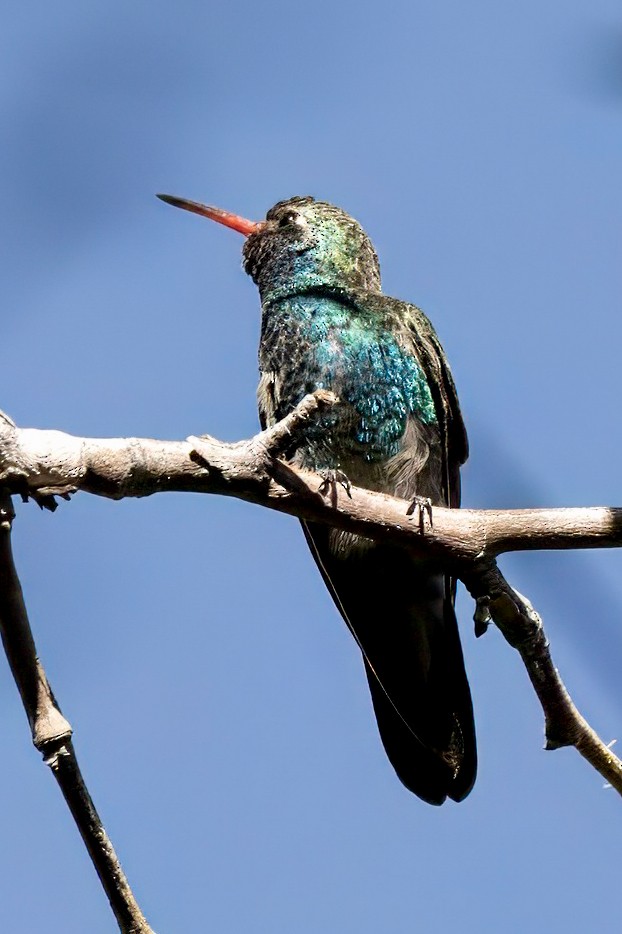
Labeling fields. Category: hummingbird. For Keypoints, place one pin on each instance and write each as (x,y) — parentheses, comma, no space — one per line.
(397,429)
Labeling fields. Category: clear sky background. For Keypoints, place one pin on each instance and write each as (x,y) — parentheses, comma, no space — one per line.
(220,708)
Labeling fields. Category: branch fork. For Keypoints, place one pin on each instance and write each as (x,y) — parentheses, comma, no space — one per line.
(43,465)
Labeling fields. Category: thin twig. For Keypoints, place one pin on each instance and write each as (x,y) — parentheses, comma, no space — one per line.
(287,433)
(51,733)
(522,627)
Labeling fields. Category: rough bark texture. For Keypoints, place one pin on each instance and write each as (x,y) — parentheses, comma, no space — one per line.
(45,464)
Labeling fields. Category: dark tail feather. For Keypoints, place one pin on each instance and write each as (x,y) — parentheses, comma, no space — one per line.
(445,765)
(405,625)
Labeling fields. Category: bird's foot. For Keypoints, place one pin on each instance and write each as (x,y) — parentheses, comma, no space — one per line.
(330,479)
(423,505)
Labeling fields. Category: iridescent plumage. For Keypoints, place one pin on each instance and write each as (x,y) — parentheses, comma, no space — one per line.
(397,429)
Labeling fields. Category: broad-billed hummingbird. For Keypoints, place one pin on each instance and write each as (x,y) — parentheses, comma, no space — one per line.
(397,429)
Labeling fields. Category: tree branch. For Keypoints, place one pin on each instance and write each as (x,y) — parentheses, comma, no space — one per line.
(46,464)
(522,627)
(51,733)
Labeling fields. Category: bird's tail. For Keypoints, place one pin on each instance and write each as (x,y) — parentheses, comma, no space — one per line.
(402,617)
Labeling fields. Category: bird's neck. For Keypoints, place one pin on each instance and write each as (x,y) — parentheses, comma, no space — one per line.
(293,273)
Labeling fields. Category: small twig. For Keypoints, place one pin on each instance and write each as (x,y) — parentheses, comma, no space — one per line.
(47,724)
(286,433)
(522,627)
(51,733)
(257,456)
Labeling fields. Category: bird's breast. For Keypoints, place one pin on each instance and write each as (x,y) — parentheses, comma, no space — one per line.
(311,343)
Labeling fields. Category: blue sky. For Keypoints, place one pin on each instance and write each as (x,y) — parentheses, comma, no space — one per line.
(220,709)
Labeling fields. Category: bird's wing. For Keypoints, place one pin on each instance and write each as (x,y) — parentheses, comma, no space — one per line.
(431,357)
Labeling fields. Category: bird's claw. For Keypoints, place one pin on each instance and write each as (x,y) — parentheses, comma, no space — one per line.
(330,479)
(423,505)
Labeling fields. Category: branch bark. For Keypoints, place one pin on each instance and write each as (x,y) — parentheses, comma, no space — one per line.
(51,733)
(43,465)
(46,464)
(522,627)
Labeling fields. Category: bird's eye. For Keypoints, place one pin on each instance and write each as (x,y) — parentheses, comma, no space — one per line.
(292,218)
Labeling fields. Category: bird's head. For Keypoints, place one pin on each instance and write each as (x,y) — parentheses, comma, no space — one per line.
(302,245)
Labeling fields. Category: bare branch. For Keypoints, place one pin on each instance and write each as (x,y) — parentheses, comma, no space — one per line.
(51,733)
(522,628)
(45,464)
